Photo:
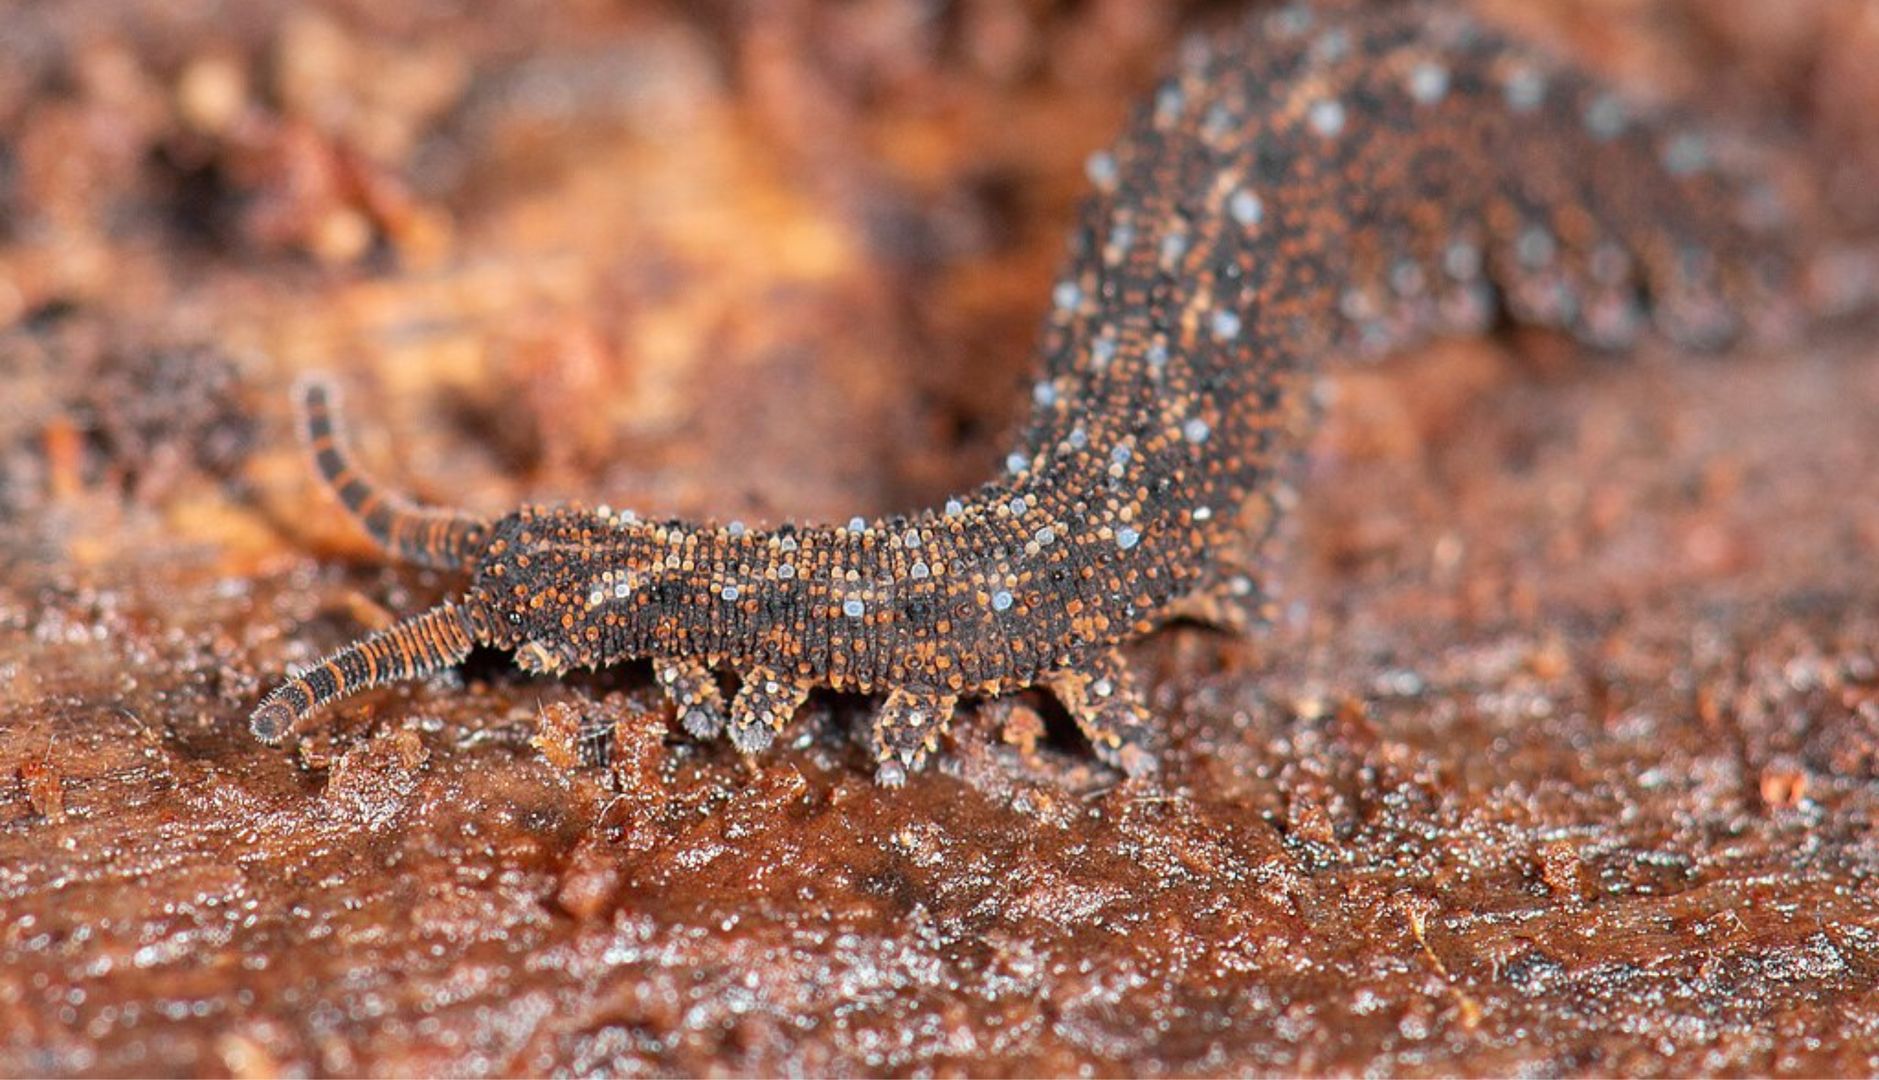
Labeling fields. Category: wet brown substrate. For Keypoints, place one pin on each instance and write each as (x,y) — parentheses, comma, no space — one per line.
(1565,758)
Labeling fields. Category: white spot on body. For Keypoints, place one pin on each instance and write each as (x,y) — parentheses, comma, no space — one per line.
(1101,169)
(1173,247)
(1225,325)
(729,592)
(954,508)
(1686,153)
(1217,124)
(1246,208)
(1016,462)
(1001,600)
(1196,430)
(1326,117)
(1606,117)
(1356,305)
(1462,260)
(1169,104)
(853,608)
(1428,82)
(1333,45)
(856,524)
(1525,89)
(1535,248)
(1127,538)
(1121,239)
(1068,296)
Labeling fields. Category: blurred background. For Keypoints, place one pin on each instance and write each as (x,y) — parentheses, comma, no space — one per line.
(1564,759)
(618,247)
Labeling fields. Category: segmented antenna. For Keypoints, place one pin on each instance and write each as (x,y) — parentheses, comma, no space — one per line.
(412,649)
(440,539)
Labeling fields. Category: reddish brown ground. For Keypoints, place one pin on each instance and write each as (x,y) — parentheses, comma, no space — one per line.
(1566,759)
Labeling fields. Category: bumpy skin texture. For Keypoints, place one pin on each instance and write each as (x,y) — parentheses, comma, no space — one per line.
(1317,182)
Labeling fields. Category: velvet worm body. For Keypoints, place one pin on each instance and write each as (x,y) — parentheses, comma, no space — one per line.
(1318,182)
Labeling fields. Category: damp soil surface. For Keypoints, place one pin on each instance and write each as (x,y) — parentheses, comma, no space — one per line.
(1564,758)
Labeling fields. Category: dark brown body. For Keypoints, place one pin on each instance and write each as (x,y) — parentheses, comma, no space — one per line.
(1317,183)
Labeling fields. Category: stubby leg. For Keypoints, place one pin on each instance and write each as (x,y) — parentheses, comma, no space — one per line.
(1235,605)
(694,692)
(1237,600)
(762,706)
(906,729)
(1103,701)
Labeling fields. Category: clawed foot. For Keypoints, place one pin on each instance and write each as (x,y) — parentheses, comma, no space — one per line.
(906,730)
(694,694)
(1103,701)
